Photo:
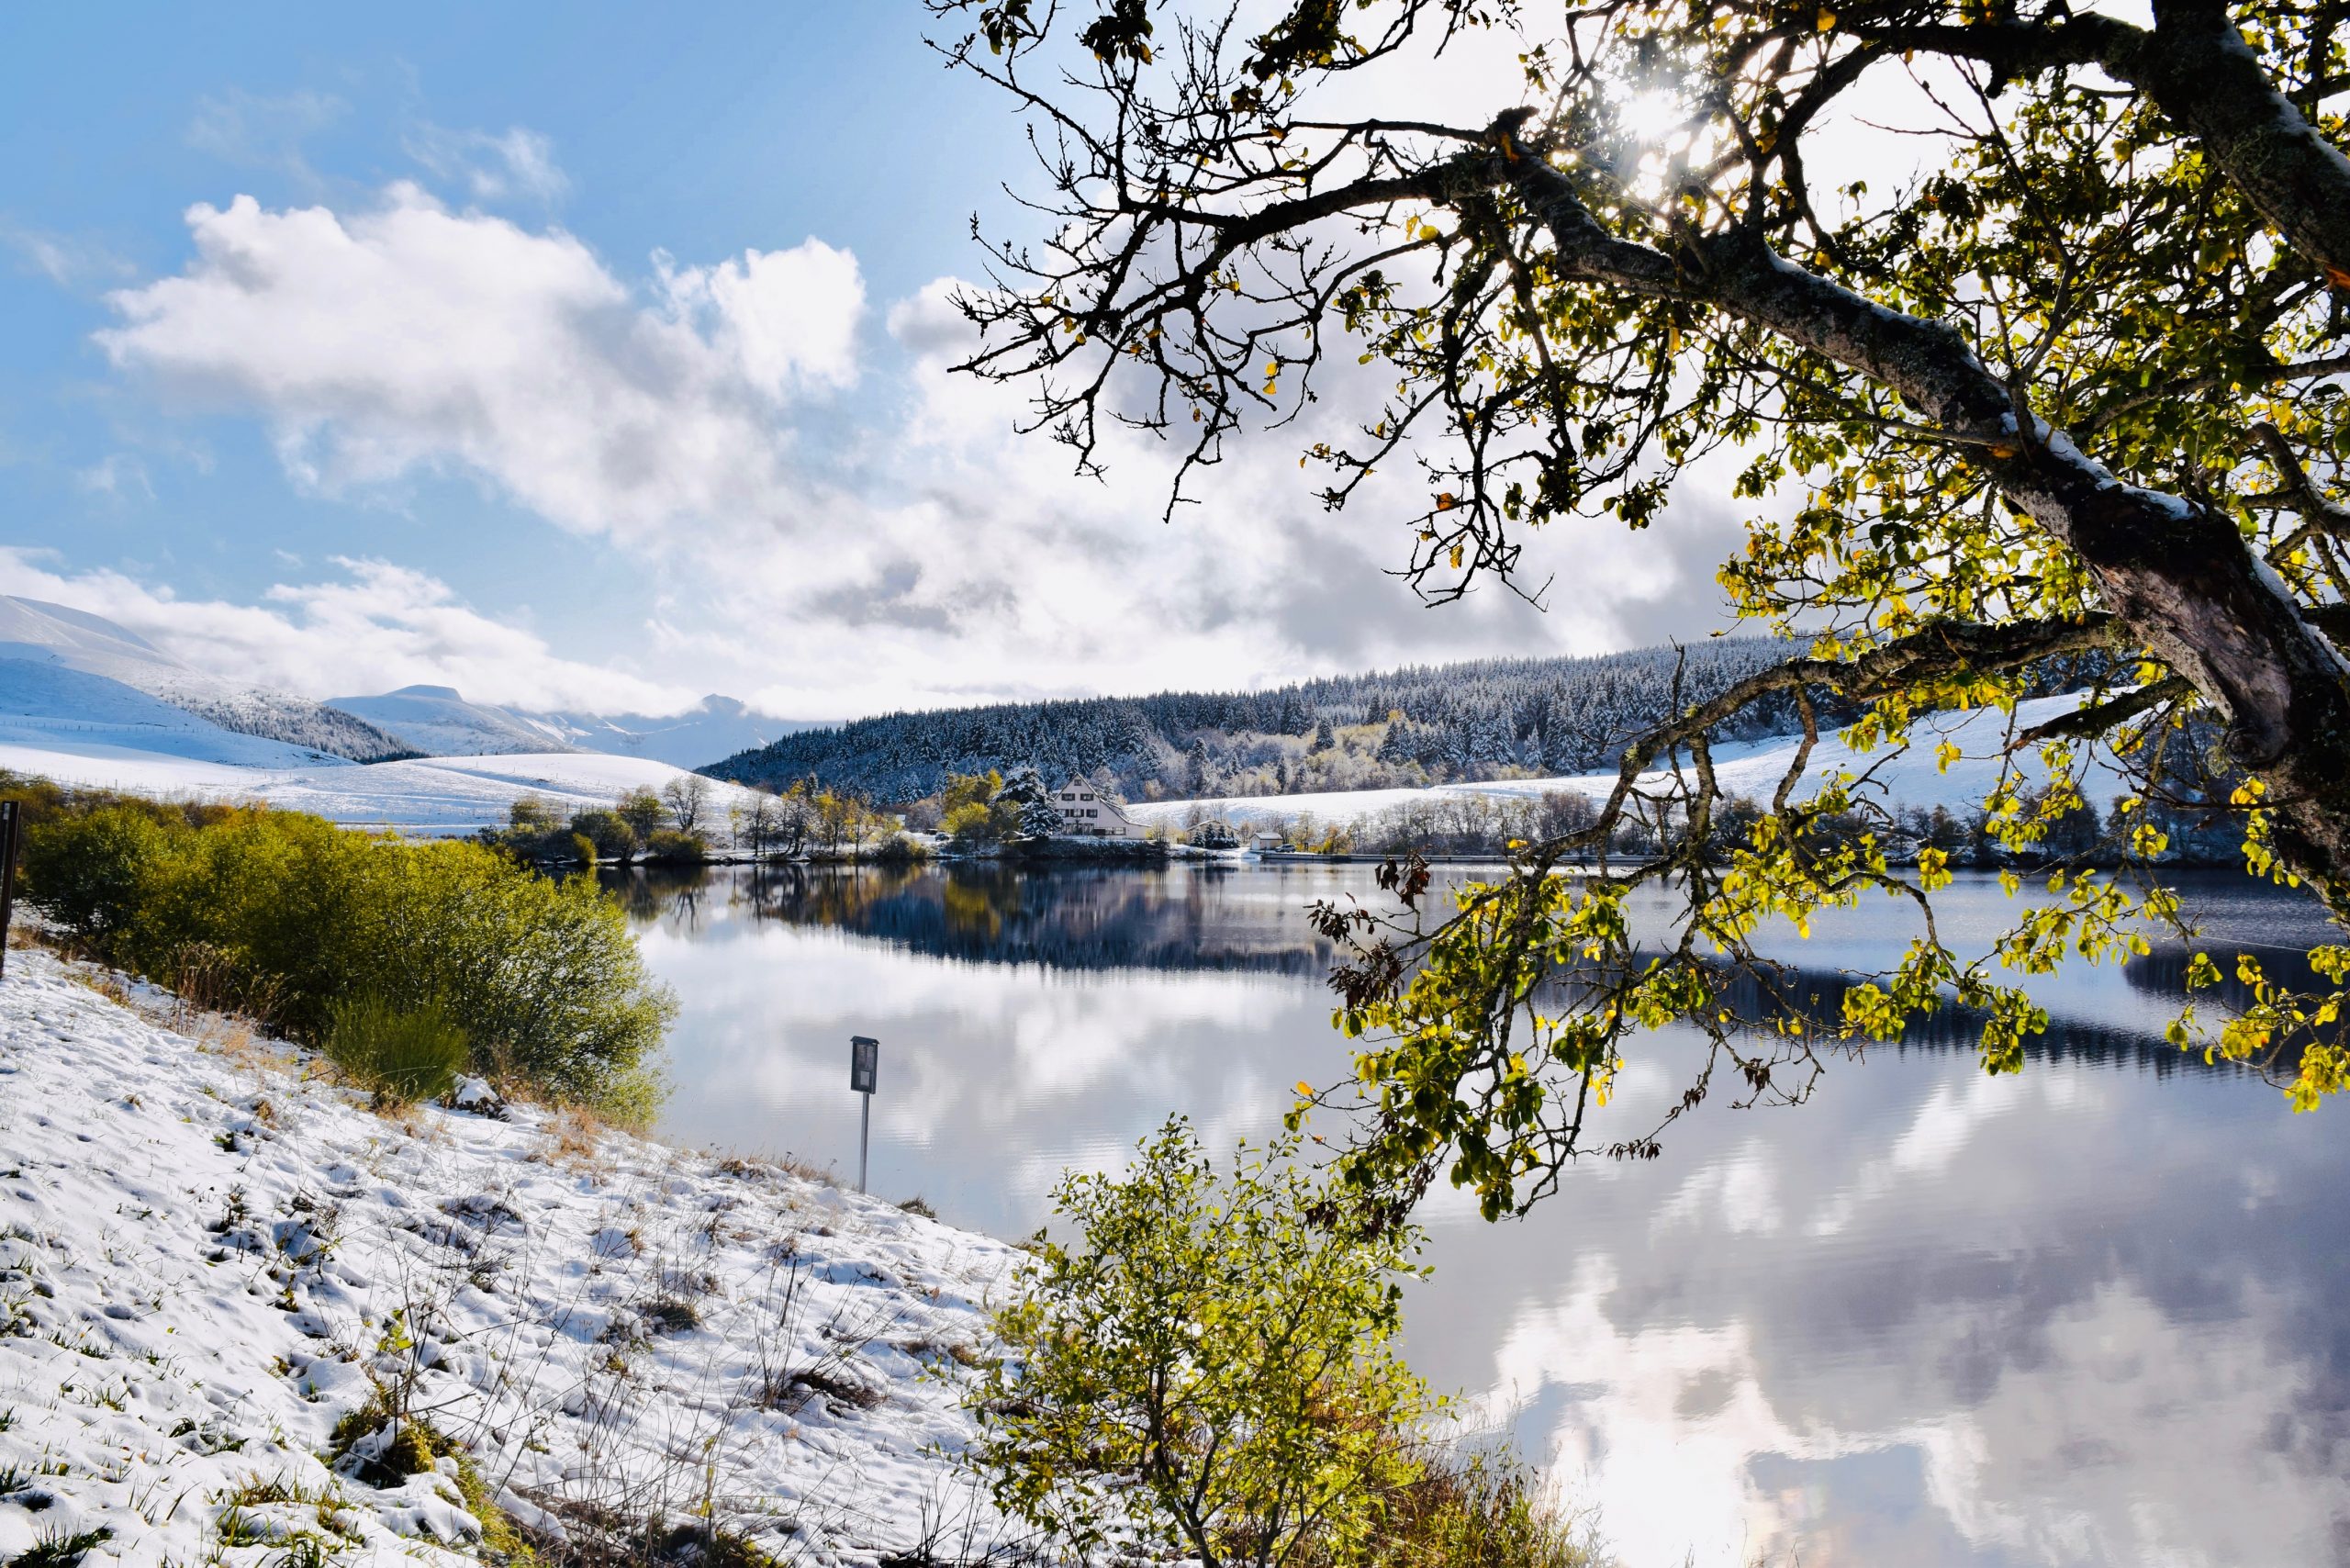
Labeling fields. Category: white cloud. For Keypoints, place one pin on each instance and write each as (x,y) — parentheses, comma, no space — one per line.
(789,317)
(263,131)
(919,553)
(378,627)
(117,475)
(410,337)
(520,163)
(64,259)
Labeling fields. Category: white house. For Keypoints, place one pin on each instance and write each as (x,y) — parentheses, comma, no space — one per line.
(1087,814)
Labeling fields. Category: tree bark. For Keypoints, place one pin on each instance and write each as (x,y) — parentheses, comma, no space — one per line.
(2178,575)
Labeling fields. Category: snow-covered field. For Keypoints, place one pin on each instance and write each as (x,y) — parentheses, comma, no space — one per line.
(1911,779)
(208,1256)
(433,794)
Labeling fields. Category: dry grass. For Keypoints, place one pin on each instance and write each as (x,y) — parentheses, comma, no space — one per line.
(1479,1507)
(105,982)
(767,1169)
(574,1138)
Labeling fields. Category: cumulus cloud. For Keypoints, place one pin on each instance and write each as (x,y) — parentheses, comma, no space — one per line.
(789,318)
(409,337)
(374,627)
(920,553)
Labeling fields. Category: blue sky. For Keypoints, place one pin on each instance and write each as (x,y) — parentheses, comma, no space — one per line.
(594,356)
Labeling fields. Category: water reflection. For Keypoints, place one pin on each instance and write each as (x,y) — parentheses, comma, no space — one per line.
(2087,1314)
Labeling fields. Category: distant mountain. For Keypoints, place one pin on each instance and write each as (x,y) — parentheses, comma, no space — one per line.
(438,722)
(713,728)
(415,720)
(36,631)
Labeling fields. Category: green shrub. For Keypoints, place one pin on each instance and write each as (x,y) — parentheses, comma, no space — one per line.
(1210,1361)
(404,1053)
(608,830)
(642,810)
(86,872)
(282,915)
(583,849)
(672,847)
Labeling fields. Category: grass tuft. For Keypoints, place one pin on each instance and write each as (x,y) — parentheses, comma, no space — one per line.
(58,1550)
(403,1055)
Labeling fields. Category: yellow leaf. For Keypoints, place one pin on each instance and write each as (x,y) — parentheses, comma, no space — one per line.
(1304,1087)
(1456,557)
(1446,501)
(1826,18)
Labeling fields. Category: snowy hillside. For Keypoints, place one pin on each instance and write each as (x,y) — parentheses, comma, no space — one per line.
(1755,768)
(34,628)
(438,721)
(459,793)
(209,1257)
(38,631)
(49,710)
(430,795)
(428,720)
(280,715)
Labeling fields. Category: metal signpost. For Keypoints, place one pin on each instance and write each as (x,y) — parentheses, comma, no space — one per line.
(12,815)
(864,1068)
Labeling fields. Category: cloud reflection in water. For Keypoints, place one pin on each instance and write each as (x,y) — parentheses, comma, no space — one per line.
(2087,1314)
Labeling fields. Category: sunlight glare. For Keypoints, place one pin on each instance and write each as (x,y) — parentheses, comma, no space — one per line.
(1649,116)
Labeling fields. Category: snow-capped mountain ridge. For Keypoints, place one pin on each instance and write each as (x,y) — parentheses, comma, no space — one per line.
(439,722)
(37,631)
(47,706)
(420,719)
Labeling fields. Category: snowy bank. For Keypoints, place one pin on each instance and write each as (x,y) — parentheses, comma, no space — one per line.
(209,1257)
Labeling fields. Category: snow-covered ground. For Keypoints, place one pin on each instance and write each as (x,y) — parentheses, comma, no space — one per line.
(1911,779)
(208,1256)
(434,794)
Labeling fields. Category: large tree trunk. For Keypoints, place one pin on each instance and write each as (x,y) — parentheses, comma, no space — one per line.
(2178,575)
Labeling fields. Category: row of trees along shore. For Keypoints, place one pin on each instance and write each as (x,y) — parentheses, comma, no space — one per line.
(684,824)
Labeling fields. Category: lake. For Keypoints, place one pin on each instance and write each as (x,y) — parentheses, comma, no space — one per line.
(2091,1314)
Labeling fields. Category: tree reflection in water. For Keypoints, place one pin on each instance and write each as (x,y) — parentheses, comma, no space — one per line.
(2091,1314)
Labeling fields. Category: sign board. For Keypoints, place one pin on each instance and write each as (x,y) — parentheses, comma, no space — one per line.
(864,1063)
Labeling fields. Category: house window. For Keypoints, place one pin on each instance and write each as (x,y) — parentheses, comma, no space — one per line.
(1068,797)
(1091,813)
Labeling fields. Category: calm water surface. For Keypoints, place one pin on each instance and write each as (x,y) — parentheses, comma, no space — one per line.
(2093,1313)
